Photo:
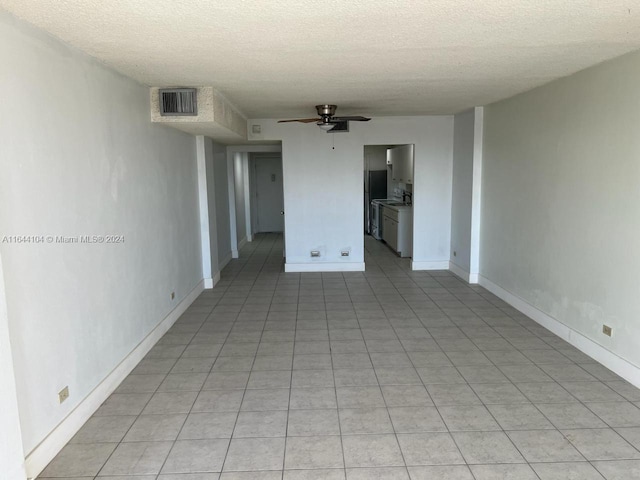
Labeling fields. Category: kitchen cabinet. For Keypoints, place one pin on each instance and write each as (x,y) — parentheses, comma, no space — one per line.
(397,229)
(401,160)
(390,232)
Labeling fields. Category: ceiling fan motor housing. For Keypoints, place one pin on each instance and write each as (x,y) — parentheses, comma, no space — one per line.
(326,111)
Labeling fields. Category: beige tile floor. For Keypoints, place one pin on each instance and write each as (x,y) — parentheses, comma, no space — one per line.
(388,374)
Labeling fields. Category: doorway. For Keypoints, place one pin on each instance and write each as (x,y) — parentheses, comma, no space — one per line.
(267,212)
(388,202)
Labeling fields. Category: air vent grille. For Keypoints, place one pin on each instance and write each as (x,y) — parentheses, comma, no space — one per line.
(340,127)
(178,101)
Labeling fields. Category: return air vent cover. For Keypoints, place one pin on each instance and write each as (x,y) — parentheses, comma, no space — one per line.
(339,127)
(178,101)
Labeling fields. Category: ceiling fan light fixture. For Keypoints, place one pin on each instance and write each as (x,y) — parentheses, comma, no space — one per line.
(326,126)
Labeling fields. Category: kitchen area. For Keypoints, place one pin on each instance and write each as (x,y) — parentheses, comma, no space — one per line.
(388,192)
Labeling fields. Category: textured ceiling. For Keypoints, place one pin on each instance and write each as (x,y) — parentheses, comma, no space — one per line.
(278,58)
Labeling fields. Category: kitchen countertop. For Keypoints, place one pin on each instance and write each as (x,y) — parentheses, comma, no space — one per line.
(397,208)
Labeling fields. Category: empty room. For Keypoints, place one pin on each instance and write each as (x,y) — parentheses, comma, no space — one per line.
(384,240)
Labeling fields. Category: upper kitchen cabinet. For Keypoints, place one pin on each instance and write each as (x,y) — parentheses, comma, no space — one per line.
(401,160)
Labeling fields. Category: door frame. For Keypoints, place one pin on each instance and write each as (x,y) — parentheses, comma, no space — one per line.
(231,151)
(390,181)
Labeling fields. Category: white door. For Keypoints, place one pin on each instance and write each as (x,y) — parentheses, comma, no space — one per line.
(269,196)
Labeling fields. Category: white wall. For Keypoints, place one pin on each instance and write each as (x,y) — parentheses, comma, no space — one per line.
(218,188)
(239,168)
(476,194)
(211,206)
(206,215)
(11,453)
(323,187)
(561,202)
(80,157)
(220,185)
(462,189)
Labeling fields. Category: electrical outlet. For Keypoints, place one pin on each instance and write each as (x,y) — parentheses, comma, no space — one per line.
(173,295)
(606,329)
(315,253)
(344,253)
(63,394)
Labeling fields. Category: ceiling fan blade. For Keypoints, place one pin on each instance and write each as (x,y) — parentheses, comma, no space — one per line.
(301,120)
(356,118)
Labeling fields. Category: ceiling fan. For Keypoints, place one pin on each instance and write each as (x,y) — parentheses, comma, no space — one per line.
(328,121)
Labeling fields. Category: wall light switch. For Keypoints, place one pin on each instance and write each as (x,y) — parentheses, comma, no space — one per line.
(256,129)
(344,253)
(315,253)
(607,330)
(173,295)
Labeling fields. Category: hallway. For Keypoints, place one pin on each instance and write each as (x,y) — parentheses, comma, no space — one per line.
(387,374)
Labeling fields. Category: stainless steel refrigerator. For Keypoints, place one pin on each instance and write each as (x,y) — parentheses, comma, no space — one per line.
(375,187)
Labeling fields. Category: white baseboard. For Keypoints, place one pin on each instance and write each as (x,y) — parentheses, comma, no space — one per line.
(242,243)
(324,267)
(225,260)
(208,283)
(613,362)
(235,254)
(463,274)
(216,278)
(249,238)
(41,455)
(459,271)
(430,265)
